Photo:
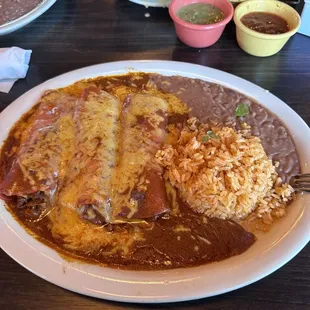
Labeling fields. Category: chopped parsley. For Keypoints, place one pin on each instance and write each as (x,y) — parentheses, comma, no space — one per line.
(242,110)
(209,135)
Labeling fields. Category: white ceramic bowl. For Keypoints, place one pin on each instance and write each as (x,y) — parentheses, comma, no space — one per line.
(271,251)
(27,18)
(153,3)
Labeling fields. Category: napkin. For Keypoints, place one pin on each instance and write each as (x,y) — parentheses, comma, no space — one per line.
(13,66)
(305,19)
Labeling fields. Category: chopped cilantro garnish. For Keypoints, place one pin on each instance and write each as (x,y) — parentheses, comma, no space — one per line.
(210,134)
(242,110)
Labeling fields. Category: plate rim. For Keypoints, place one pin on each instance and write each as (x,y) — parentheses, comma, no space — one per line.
(150,3)
(6,221)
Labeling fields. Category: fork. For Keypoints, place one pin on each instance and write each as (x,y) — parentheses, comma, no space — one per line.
(301,182)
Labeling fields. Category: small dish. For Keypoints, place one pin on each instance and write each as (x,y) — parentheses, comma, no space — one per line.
(200,35)
(152,3)
(27,18)
(261,44)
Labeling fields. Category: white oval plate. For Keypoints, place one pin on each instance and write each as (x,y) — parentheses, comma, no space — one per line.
(27,18)
(270,252)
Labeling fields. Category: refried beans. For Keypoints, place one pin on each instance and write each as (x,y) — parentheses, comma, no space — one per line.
(216,104)
(13,9)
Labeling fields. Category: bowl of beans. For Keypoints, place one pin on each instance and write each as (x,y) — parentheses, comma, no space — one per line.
(263,27)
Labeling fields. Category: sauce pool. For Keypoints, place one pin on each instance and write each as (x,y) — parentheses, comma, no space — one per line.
(267,23)
(200,13)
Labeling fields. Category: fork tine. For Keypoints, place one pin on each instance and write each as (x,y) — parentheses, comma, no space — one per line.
(301,189)
(301,182)
(298,176)
(302,186)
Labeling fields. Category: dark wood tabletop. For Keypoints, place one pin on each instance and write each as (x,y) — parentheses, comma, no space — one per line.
(74,34)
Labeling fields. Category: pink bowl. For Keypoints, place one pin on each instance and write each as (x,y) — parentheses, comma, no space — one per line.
(200,35)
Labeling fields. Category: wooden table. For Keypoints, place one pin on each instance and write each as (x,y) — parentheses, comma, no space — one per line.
(74,34)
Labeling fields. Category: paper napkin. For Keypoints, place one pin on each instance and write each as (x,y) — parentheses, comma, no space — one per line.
(14,64)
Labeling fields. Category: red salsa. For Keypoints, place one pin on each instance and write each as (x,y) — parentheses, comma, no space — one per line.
(265,23)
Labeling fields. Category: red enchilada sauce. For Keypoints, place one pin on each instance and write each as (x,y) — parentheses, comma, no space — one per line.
(267,23)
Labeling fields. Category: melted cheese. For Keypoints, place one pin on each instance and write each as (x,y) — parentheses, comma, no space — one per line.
(85,237)
(175,105)
(90,173)
(137,149)
(43,148)
(77,88)
(172,194)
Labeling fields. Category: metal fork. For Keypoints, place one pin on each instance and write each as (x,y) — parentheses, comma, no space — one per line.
(301,182)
